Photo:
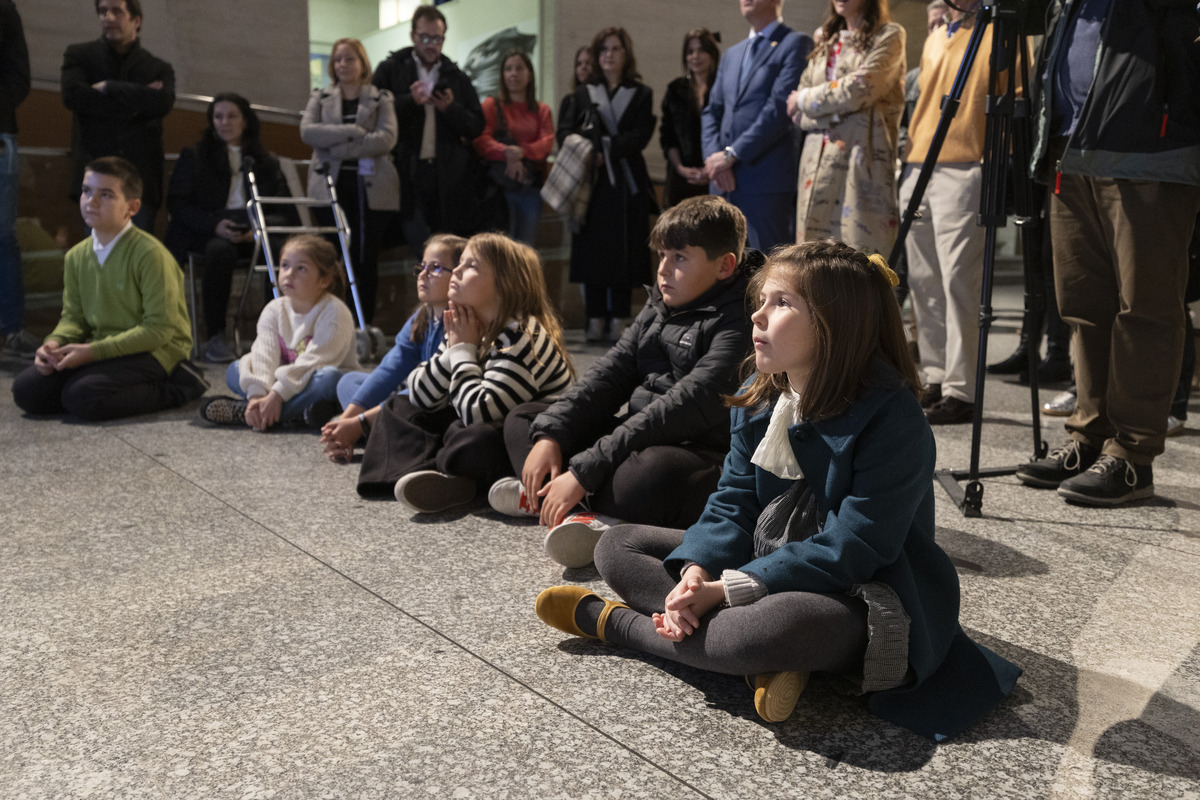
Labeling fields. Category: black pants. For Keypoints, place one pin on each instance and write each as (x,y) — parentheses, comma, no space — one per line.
(789,631)
(661,485)
(107,389)
(220,259)
(366,239)
(406,439)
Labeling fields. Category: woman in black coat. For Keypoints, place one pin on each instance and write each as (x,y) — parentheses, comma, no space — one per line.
(610,255)
(679,133)
(207,202)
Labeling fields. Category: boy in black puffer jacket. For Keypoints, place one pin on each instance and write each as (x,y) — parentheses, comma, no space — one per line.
(642,436)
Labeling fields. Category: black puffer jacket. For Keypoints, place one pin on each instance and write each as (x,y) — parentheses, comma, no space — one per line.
(671,366)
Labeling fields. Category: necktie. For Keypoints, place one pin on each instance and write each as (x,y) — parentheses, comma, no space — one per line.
(751,55)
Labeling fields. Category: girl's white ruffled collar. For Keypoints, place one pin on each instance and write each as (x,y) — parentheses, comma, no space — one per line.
(774,453)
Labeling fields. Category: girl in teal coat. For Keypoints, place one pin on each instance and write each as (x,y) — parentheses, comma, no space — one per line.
(817,551)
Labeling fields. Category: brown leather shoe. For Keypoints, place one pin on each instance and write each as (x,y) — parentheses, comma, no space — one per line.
(950,411)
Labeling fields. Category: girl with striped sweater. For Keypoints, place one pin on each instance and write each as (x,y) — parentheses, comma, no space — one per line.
(434,447)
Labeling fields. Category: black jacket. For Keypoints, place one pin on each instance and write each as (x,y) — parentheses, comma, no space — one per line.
(458,126)
(672,368)
(1141,119)
(680,126)
(200,188)
(126,118)
(14,66)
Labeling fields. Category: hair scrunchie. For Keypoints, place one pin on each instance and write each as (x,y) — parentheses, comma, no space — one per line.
(887,272)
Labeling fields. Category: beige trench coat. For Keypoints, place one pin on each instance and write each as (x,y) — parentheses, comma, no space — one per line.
(847,184)
(372,136)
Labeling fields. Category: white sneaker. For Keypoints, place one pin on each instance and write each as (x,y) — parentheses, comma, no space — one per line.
(1063,405)
(428,490)
(572,542)
(1174,425)
(595,330)
(507,496)
(616,328)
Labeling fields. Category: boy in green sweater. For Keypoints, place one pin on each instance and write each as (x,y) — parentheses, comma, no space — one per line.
(120,345)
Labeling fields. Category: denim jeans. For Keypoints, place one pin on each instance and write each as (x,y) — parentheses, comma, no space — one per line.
(12,289)
(321,386)
(524,211)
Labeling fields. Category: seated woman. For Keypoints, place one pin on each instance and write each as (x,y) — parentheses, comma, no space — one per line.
(207,202)
(817,551)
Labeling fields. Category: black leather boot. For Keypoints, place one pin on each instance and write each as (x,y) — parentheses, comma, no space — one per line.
(1019,360)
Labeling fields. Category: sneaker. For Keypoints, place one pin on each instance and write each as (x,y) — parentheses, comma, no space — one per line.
(21,344)
(1065,461)
(216,351)
(931,395)
(1109,482)
(223,411)
(1063,405)
(595,330)
(320,412)
(572,542)
(1174,425)
(616,328)
(428,491)
(950,411)
(507,496)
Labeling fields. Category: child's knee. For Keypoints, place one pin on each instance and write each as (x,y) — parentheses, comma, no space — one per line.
(233,377)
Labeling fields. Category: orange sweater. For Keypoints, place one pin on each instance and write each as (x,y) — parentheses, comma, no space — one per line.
(940,61)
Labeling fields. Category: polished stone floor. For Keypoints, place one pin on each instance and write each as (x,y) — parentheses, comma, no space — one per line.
(197,613)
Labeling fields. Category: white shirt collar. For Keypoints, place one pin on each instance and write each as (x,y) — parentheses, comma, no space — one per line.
(767,31)
(774,453)
(104,250)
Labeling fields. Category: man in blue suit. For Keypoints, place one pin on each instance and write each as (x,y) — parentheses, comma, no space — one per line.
(753,147)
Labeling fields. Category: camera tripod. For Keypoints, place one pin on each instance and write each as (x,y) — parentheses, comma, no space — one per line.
(1008,130)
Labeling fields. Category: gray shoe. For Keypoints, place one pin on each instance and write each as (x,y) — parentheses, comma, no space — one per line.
(21,344)
(429,491)
(1066,461)
(216,351)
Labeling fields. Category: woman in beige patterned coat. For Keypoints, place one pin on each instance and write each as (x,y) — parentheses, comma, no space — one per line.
(849,102)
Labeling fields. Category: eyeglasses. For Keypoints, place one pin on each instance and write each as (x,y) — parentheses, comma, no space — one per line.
(427,39)
(434,269)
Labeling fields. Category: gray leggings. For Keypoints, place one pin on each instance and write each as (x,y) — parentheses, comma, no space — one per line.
(790,631)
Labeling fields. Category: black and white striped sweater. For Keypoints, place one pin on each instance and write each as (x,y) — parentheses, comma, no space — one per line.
(521,365)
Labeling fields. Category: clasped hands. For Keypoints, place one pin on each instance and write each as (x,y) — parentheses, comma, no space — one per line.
(263,411)
(52,357)
(719,170)
(694,596)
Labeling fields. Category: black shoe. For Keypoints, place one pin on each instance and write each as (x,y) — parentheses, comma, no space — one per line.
(186,383)
(931,395)
(223,411)
(1012,365)
(320,412)
(1065,461)
(1050,370)
(1111,481)
(950,411)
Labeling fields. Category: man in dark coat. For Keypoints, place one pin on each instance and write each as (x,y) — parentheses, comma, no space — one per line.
(439,116)
(14,88)
(120,94)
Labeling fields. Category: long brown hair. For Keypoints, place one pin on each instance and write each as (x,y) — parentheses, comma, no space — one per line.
(708,43)
(455,244)
(521,289)
(875,16)
(856,322)
(530,91)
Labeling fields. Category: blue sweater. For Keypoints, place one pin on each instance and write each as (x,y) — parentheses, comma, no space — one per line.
(871,470)
(403,358)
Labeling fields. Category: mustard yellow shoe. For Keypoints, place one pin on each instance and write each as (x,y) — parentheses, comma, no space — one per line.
(776,693)
(556,607)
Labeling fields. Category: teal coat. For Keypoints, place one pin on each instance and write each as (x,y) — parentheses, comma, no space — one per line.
(871,470)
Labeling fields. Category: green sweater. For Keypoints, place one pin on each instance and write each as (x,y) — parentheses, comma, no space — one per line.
(134,303)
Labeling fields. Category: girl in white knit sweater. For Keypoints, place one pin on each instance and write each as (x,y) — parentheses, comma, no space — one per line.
(305,343)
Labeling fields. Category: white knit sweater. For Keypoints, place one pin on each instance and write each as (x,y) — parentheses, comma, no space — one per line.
(289,347)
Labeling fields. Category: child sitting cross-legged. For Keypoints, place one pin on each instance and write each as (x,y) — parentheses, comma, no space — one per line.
(641,437)
(817,551)
(434,447)
(304,344)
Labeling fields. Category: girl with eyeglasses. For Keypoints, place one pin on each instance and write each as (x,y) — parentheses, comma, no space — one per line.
(361,394)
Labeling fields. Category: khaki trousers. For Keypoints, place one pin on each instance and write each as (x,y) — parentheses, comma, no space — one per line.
(1120,268)
(945,274)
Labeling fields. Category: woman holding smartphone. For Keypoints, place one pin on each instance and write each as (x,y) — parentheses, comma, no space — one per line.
(207,202)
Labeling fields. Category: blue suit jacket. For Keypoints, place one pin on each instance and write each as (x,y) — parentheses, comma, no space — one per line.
(754,120)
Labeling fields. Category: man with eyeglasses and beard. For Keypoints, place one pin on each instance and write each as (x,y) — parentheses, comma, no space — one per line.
(439,116)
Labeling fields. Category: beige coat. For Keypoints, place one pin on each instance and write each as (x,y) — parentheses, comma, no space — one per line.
(847,184)
(372,136)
